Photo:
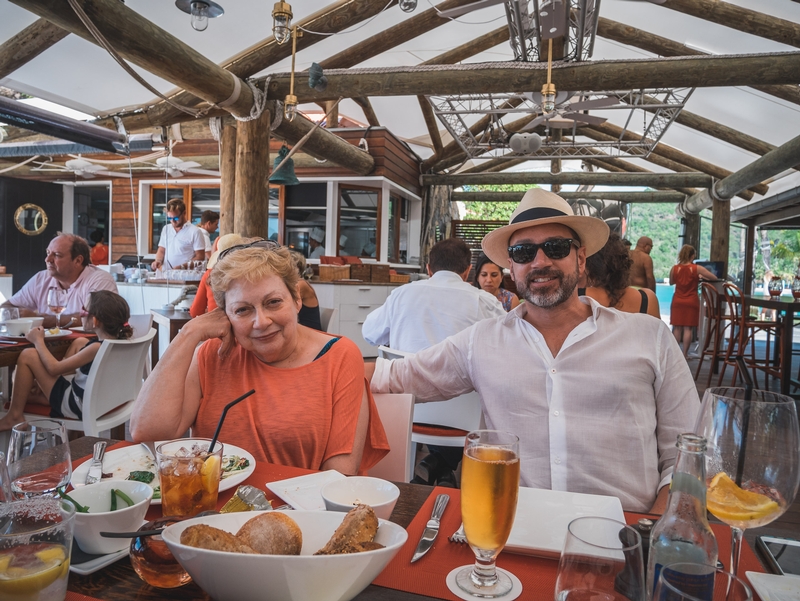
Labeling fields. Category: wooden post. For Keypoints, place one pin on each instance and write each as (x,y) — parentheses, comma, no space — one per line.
(251,210)
(720,226)
(332,122)
(692,235)
(749,252)
(555,164)
(227,186)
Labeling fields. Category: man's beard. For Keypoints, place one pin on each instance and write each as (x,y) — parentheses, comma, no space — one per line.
(567,284)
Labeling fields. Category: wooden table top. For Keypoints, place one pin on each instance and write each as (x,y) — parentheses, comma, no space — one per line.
(119,582)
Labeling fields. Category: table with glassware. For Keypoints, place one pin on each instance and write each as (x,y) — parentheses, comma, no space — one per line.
(788,307)
(401,580)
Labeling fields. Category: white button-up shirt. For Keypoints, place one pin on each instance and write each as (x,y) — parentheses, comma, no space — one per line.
(600,417)
(180,246)
(420,314)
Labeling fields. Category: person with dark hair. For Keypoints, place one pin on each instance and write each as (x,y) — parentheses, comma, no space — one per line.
(607,275)
(309,311)
(68,268)
(421,314)
(62,383)
(685,309)
(489,277)
(180,241)
(209,221)
(99,253)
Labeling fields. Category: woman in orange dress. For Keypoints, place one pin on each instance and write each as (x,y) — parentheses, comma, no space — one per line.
(685,311)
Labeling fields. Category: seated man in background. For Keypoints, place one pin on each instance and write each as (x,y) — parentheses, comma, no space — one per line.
(68,268)
(420,314)
(596,396)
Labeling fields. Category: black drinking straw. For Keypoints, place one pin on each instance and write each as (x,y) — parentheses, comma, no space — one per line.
(222,418)
(748,396)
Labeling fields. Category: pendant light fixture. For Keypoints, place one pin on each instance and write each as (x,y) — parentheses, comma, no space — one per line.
(282,22)
(201,11)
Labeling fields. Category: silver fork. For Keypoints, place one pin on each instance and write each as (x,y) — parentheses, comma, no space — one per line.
(458,536)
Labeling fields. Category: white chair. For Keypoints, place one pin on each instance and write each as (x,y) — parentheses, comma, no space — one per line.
(443,423)
(113,384)
(395,411)
(326,316)
(141,325)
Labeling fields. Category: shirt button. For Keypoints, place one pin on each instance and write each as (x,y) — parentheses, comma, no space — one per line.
(552,371)
(555,413)
(557,461)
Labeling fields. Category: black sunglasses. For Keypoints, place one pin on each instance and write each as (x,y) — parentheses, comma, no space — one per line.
(268,244)
(553,249)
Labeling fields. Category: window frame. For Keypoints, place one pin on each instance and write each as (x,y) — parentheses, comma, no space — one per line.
(378,216)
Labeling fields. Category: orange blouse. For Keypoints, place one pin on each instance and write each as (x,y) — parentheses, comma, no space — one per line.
(204,299)
(299,416)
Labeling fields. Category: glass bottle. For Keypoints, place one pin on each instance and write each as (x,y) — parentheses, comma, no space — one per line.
(683,534)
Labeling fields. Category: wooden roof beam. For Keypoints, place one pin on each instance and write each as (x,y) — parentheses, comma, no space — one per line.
(613,165)
(483,78)
(631,36)
(649,197)
(369,112)
(28,44)
(655,180)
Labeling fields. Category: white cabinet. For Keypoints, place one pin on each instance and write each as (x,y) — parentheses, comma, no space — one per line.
(355,302)
(143,297)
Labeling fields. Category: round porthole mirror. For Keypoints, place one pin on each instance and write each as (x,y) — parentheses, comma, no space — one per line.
(30,219)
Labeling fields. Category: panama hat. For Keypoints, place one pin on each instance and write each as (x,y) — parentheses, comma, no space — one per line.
(539,207)
(224,243)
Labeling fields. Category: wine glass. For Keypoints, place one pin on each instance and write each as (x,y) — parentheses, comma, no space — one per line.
(796,287)
(677,583)
(752,458)
(38,458)
(57,302)
(602,559)
(775,287)
(489,490)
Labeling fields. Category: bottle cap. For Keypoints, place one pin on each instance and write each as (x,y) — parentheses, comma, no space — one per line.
(645,525)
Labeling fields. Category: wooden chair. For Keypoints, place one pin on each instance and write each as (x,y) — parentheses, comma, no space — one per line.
(716,324)
(111,389)
(395,411)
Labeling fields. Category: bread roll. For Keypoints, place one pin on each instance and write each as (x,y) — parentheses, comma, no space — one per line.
(357,529)
(272,533)
(208,537)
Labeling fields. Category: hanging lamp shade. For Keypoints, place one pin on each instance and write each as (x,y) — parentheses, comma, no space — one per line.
(285,175)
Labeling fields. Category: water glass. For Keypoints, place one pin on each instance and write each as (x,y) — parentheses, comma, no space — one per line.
(39,460)
(189,476)
(676,584)
(602,559)
(36,540)
(7,313)
(5,482)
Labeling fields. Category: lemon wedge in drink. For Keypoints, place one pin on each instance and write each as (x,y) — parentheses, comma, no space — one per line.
(23,581)
(210,473)
(729,502)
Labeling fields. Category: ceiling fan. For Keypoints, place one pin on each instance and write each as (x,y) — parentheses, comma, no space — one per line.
(175,167)
(82,168)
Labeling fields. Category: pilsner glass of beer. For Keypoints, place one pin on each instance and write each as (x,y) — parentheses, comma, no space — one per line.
(189,476)
(489,490)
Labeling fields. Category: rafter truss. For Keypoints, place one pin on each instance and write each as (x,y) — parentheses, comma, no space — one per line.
(457,112)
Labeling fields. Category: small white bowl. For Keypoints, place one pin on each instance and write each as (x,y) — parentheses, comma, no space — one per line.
(36,321)
(237,576)
(18,327)
(346,493)
(97,497)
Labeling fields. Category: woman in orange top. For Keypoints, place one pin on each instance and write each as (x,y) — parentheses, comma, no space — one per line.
(311,408)
(685,308)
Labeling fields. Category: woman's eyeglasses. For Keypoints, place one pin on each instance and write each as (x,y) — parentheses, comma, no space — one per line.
(268,244)
(553,249)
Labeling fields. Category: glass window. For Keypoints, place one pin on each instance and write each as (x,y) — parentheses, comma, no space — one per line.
(305,214)
(359,215)
(204,199)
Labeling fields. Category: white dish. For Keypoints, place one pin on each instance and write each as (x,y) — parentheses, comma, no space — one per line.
(303,492)
(63,332)
(98,563)
(237,576)
(121,462)
(343,495)
(772,587)
(540,524)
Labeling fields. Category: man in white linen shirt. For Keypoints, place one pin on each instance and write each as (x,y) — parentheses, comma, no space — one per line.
(180,241)
(596,396)
(209,221)
(68,267)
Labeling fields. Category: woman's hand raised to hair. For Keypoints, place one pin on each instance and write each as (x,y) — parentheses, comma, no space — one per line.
(214,324)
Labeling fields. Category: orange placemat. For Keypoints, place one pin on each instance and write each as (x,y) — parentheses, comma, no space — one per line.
(78,597)
(264,472)
(538,576)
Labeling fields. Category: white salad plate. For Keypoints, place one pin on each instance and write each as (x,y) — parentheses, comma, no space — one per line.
(121,462)
(304,492)
(772,587)
(62,332)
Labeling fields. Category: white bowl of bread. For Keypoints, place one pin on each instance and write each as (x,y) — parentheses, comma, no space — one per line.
(285,556)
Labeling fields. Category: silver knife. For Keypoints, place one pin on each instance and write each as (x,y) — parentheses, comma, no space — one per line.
(431,528)
(96,466)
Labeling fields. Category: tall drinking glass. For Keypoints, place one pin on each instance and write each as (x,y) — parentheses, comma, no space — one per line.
(35,545)
(57,302)
(189,476)
(38,458)
(489,490)
(601,561)
(673,584)
(752,458)
(7,313)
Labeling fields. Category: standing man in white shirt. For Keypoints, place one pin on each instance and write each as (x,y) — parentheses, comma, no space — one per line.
(180,241)
(421,314)
(209,221)
(597,397)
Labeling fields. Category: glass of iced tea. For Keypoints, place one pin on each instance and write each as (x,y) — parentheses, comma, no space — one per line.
(489,490)
(189,476)
(35,547)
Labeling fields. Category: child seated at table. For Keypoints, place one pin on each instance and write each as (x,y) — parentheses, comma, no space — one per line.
(44,380)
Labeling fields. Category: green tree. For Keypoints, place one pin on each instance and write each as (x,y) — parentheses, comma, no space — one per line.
(492,211)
